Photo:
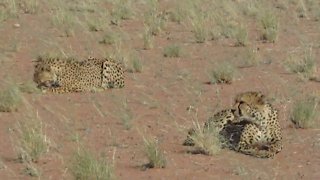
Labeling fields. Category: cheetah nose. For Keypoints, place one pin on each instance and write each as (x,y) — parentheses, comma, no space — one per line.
(55,84)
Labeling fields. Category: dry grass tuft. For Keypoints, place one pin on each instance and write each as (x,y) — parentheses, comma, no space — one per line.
(223,73)
(84,165)
(155,156)
(172,51)
(270,26)
(135,64)
(206,141)
(305,113)
(10,99)
(32,142)
(304,65)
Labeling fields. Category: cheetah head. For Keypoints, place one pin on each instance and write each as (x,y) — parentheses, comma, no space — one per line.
(242,109)
(251,98)
(45,77)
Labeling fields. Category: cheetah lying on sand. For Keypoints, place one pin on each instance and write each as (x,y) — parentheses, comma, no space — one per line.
(69,75)
(251,127)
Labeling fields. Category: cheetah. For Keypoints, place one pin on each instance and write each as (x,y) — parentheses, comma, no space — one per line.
(69,75)
(263,130)
(251,127)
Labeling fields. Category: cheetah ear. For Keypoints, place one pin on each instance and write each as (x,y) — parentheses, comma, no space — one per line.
(263,99)
(38,59)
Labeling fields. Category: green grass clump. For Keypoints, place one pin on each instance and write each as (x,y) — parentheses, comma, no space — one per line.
(10,99)
(172,51)
(305,113)
(223,73)
(155,156)
(270,26)
(85,166)
(206,141)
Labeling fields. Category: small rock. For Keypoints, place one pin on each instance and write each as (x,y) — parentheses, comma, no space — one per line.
(17,25)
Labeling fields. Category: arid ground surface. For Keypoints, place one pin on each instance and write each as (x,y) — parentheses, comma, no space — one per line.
(166,97)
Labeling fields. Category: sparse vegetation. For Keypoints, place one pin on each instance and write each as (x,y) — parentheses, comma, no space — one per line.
(126,119)
(153,19)
(135,64)
(122,10)
(229,29)
(124,113)
(198,23)
(206,141)
(32,170)
(223,73)
(29,87)
(29,6)
(8,9)
(304,66)
(240,171)
(241,36)
(111,38)
(249,58)
(2,165)
(84,165)
(172,51)
(147,38)
(178,14)
(302,10)
(97,22)
(64,20)
(269,23)
(10,98)
(251,8)
(32,142)
(155,155)
(305,113)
